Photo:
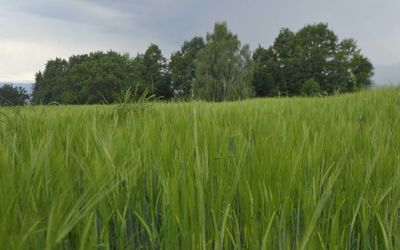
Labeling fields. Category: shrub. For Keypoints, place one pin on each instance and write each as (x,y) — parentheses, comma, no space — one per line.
(10,95)
(310,88)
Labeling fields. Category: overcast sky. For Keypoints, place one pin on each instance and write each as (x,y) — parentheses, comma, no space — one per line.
(33,31)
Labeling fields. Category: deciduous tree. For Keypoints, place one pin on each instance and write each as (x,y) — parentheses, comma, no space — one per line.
(183,69)
(10,95)
(223,67)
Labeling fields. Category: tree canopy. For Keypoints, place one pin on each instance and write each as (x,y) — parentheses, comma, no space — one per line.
(183,68)
(102,77)
(223,67)
(152,72)
(94,78)
(216,68)
(10,95)
(314,52)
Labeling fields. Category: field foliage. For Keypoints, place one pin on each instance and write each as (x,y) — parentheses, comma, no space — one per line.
(277,173)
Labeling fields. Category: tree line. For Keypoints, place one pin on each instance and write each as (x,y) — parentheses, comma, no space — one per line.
(311,61)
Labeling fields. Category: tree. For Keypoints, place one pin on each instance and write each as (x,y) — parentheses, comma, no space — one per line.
(101,77)
(314,52)
(223,67)
(10,96)
(362,71)
(91,78)
(182,67)
(267,78)
(97,78)
(154,75)
(48,85)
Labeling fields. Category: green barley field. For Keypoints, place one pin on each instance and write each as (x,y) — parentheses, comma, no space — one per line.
(275,173)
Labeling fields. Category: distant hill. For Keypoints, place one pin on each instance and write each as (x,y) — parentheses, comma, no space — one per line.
(387,75)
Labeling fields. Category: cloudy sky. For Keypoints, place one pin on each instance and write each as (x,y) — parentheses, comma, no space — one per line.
(33,31)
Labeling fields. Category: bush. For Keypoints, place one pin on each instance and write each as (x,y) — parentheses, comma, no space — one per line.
(310,88)
(10,95)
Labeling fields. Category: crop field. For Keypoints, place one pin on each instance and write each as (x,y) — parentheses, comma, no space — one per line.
(274,173)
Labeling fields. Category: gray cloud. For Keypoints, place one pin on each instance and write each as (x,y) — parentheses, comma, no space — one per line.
(33,31)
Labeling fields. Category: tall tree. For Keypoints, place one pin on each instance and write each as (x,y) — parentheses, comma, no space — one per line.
(182,67)
(48,85)
(361,70)
(267,79)
(155,73)
(314,52)
(101,77)
(92,78)
(223,67)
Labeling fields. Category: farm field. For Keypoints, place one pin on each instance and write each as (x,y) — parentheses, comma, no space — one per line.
(273,173)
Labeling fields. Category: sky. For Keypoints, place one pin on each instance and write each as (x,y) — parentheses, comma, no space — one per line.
(34,31)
